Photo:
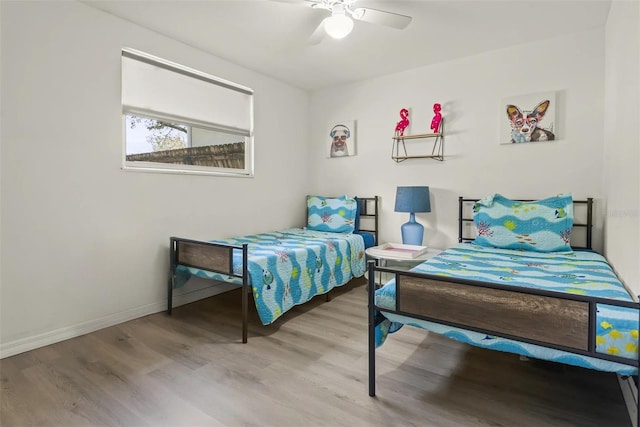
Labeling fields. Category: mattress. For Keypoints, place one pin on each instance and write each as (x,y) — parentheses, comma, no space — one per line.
(578,272)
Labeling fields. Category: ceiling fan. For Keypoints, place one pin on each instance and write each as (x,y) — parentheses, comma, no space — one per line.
(340,23)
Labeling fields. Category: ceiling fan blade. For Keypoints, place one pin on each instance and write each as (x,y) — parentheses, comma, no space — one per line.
(318,34)
(308,3)
(389,19)
(315,3)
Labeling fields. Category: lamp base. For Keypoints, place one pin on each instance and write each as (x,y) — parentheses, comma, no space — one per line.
(412,232)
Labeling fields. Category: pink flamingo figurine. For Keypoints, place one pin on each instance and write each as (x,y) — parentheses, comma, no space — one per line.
(403,123)
(437,118)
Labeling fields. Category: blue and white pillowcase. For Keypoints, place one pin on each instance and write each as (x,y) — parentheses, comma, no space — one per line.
(541,225)
(336,215)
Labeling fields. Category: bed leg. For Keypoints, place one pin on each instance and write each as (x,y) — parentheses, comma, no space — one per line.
(629,389)
(328,296)
(245,293)
(172,263)
(244,314)
(170,296)
(372,329)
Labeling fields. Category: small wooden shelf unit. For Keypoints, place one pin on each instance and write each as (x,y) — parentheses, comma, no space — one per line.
(437,153)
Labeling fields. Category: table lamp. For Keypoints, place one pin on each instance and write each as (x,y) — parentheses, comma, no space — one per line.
(412,200)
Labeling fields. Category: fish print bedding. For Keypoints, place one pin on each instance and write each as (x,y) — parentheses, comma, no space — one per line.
(290,267)
(577,272)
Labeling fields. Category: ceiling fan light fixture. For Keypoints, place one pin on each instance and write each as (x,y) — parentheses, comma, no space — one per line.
(338,25)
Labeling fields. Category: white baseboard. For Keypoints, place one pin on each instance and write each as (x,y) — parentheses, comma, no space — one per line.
(40,340)
(187,295)
(630,394)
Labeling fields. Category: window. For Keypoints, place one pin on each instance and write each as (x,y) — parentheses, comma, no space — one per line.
(177,119)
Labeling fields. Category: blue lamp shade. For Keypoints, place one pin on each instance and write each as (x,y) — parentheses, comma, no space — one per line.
(412,200)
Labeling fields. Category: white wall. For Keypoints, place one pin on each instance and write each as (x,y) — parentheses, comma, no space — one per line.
(85,244)
(470,90)
(622,141)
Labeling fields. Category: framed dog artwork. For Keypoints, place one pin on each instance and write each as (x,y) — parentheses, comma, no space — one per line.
(528,118)
(342,139)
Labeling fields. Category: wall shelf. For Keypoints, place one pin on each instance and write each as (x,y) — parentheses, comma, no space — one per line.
(437,153)
(419,135)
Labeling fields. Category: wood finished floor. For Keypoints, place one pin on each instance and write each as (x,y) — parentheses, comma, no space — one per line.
(309,369)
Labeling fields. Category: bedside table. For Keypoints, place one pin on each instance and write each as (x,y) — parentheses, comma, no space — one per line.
(399,263)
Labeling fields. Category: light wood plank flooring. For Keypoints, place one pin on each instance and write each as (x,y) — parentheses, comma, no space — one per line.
(309,369)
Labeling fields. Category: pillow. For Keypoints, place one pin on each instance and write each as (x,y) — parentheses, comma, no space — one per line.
(541,226)
(336,215)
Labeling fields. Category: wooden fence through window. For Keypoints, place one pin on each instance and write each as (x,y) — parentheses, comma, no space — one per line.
(219,156)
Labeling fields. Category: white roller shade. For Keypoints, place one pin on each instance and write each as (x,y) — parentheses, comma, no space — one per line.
(156,87)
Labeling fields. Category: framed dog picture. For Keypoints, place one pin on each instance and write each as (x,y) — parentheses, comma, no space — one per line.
(528,118)
(342,139)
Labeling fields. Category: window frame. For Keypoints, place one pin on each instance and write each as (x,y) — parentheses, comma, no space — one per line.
(157,167)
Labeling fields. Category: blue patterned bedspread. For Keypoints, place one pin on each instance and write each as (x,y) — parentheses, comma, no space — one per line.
(579,272)
(290,267)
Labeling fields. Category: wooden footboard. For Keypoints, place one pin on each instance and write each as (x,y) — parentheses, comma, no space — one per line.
(505,312)
(214,257)
(204,255)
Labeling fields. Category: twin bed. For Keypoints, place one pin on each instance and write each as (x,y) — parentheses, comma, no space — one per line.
(285,268)
(518,285)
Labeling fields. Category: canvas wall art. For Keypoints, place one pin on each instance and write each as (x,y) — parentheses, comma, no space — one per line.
(528,118)
(342,138)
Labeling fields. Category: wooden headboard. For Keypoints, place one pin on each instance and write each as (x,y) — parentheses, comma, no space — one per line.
(582,224)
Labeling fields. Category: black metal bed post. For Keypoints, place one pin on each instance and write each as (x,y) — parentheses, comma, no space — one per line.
(371,288)
(245,293)
(172,266)
(460,219)
(375,220)
(591,330)
(589,221)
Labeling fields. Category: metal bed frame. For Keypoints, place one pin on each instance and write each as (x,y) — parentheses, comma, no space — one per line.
(218,258)
(480,306)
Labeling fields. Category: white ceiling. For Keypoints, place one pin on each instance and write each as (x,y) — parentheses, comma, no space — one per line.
(271,36)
